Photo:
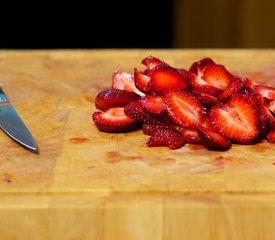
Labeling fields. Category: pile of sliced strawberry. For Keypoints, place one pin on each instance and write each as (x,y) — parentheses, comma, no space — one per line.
(205,104)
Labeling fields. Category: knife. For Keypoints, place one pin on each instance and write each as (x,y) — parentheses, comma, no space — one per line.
(13,126)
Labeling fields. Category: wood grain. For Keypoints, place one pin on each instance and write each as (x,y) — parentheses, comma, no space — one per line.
(86,184)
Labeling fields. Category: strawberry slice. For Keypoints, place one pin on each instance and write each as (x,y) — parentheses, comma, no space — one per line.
(113,120)
(233,88)
(124,81)
(271,136)
(151,62)
(136,111)
(268,96)
(185,74)
(236,119)
(201,64)
(165,78)
(184,109)
(217,76)
(213,140)
(199,85)
(114,98)
(189,135)
(150,129)
(153,103)
(141,81)
(169,137)
(206,99)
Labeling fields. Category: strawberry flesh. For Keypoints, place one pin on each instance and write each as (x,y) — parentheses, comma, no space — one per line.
(114,98)
(165,78)
(217,76)
(184,109)
(268,96)
(113,120)
(124,81)
(233,88)
(136,111)
(236,119)
(151,62)
(150,129)
(271,137)
(153,103)
(200,64)
(166,137)
(141,81)
(189,135)
(213,140)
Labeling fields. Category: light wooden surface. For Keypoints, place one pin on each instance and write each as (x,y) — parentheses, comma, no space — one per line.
(87,184)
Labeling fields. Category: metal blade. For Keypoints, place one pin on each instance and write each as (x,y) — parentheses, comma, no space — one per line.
(13,125)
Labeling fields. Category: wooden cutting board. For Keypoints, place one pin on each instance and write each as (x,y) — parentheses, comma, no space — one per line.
(86,184)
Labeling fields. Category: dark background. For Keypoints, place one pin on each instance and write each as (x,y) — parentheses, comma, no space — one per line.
(113,24)
(138,24)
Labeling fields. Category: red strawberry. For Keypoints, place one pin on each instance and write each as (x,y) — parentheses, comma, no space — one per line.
(248,85)
(217,76)
(268,96)
(165,78)
(135,111)
(206,99)
(234,87)
(114,98)
(236,119)
(185,74)
(113,120)
(184,109)
(153,104)
(189,135)
(141,81)
(200,64)
(213,140)
(150,62)
(199,85)
(150,129)
(124,81)
(271,136)
(166,137)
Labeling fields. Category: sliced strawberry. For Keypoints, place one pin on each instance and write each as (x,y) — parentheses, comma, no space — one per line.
(248,85)
(165,78)
(114,98)
(268,96)
(184,109)
(236,119)
(199,85)
(217,76)
(124,81)
(206,99)
(200,64)
(150,62)
(150,129)
(185,74)
(271,136)
(166,137)
(141,81)
(113,120)
(213,140)
(233,88)
(189,135)
(135,111)
(153,103)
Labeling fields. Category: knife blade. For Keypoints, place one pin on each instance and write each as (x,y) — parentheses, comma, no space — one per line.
(12,124)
